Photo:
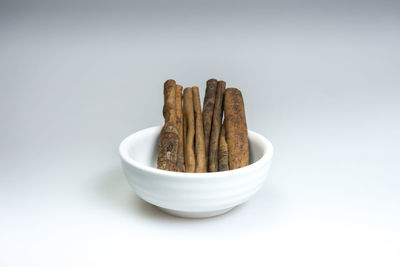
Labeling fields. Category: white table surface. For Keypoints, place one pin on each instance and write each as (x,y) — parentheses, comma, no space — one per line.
(321,81)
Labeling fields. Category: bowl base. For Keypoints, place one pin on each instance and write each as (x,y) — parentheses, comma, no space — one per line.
(189,214)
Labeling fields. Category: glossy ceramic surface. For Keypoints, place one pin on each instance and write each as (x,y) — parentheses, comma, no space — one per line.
(193,195)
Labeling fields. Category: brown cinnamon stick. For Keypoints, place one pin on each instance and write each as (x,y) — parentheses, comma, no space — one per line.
(180,164)
(169,136)
(223,163)
(188,130)
(201,165)
(216,128)
(208,110)
(236,129)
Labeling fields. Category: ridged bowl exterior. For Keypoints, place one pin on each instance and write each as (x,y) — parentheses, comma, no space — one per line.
(192,192)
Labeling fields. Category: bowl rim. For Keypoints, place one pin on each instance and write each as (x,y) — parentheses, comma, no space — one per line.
(268,151)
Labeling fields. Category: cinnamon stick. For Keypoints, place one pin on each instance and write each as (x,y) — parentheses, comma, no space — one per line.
(169,136)
(236,129)
(179,122)
(223,164)
(201,165)
(208,110)
(216,128)
(188,130)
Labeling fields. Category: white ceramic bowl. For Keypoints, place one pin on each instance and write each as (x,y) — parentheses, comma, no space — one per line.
(193,195)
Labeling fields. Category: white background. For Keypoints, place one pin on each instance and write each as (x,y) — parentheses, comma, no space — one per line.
(320,80)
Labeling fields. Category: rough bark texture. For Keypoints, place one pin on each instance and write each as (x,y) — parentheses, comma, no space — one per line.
(208,110)
(188,130)
(216,128)
(200,154)
(223,163)
(236,129)
(169,136)
(179,124)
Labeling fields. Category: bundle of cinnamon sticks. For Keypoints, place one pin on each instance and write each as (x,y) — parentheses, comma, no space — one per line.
(193,140)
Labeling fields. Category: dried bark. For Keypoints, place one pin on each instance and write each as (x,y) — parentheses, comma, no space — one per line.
(169,136)
(216,128)
(236,129)
(179,124)
(200,154)
(223,163)
(188,130)
(208,110)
